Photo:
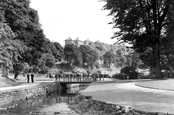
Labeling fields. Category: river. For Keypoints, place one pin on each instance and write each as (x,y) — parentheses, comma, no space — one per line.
(54,103)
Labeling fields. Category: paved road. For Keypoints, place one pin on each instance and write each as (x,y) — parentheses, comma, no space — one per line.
(130,95)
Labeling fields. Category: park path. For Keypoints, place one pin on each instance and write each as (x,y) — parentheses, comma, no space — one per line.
(131,95)
(21,86)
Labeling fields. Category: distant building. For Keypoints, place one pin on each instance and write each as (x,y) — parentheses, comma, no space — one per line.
(88,42)
(69,41)
(78,42)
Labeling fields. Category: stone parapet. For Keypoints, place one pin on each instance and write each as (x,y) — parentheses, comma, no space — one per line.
(27,93)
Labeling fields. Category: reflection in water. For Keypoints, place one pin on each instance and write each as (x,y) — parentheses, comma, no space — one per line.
(23,107)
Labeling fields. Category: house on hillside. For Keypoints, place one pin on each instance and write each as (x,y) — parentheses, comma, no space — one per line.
(78,42)
(88,42)
(69,41)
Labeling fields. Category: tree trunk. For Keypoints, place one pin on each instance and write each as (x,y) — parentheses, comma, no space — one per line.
(157,61)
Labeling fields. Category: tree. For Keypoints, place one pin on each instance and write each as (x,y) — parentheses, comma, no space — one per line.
(60,50)
(10,49)
(18,68)
(48,59)
(85,50)
(143,23)
(72,55)
(90,56)
(53,48)
(24,22)
(109,57)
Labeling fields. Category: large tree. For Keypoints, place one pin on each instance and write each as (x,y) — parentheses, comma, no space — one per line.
(10,49)
(24,22)
(143,23)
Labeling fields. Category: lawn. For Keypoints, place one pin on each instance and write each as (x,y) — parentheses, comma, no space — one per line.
(130,95)
(158,84)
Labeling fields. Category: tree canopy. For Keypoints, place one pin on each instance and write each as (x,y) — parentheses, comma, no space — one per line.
(21,37)
(89,55)
(109,57)
(72,55)
(144,24)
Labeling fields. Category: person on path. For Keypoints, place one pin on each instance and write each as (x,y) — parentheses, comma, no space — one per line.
(32,77)
(28,77)
(56,76)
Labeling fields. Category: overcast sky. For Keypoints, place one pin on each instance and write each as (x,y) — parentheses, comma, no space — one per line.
(61,19)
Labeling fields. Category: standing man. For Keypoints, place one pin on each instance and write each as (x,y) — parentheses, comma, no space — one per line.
(32,77)
(28,77)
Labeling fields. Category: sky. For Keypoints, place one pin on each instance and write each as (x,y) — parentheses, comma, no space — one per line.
(85,19)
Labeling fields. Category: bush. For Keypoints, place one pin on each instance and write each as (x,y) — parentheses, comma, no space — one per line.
(120,76)
(99,48)
(171,74)
(130,72)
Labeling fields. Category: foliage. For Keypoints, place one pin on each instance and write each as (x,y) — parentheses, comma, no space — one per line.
(143,23)
(109,57)
(60,50)
(26,68)
(99,48)
(73,55)
(90,56)
(27,43)
(119,52)
(120,76)
(120,61)
(10,50)
(54,49)
(48,60)
(24,22)
(130,72)
(18,68)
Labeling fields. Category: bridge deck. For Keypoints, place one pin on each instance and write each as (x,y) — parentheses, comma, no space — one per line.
(74,82)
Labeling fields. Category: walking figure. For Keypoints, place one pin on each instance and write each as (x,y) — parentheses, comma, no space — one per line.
(32,77)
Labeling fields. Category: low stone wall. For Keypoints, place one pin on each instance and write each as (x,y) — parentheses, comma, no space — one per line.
(113,109)
(28,93)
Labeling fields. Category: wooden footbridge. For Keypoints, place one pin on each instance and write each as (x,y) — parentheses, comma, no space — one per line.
(78,79)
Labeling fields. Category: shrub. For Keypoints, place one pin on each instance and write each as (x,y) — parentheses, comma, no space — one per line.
(171,74)
(130,72)
(99,48)
(120,76)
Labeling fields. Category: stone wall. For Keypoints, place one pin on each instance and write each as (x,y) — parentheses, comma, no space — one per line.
(113,109)
(27,93)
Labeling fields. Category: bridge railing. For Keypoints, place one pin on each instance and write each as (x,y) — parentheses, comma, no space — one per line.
(81,78)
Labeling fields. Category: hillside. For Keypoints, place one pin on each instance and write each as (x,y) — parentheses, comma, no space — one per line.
(101,48)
